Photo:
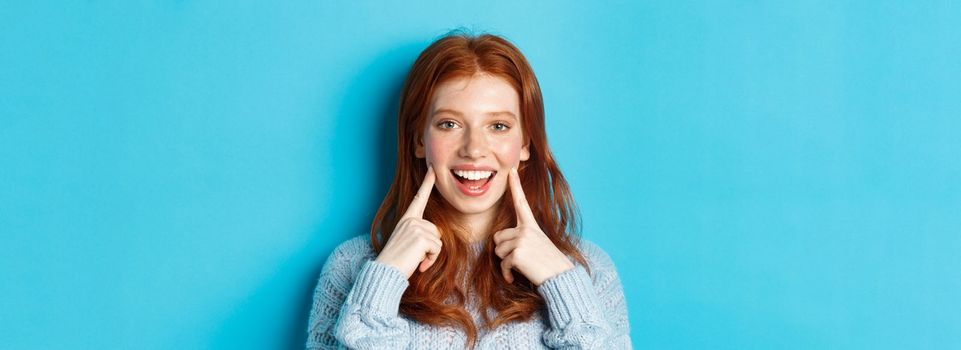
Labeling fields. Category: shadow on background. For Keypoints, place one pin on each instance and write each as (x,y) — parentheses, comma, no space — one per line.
(365,131)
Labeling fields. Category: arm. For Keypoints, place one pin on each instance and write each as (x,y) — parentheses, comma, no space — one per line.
(587,313)
(356,301)
(369,318)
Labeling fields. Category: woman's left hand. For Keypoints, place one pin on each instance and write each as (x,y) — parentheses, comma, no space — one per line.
(526,247)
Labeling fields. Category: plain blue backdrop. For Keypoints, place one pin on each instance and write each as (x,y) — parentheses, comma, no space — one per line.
(765,175)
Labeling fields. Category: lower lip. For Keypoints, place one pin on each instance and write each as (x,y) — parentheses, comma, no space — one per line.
(471,192)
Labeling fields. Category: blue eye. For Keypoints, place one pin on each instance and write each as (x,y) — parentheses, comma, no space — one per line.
(504,127)
(444,124)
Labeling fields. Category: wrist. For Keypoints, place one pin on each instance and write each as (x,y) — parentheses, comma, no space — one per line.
(563,266)
(391,263)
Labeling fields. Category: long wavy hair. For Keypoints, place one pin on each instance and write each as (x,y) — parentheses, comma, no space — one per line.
(438,295)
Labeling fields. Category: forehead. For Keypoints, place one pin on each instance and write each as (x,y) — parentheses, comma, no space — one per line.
(479,94)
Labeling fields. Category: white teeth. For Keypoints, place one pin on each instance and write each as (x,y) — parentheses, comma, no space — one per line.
(473,175)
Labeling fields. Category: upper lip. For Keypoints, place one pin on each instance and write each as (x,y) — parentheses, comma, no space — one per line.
(473,167)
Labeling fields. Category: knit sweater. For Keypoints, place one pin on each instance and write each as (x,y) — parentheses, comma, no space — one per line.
(356,304)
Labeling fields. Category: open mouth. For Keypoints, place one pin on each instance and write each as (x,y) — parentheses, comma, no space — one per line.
(473,181)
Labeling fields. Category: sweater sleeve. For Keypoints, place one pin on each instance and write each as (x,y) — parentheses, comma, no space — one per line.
(356,302)
(585,311)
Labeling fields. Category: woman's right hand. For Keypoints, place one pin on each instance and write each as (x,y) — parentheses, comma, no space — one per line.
(415,242)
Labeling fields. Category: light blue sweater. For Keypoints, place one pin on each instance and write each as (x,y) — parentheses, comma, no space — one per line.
(357,299)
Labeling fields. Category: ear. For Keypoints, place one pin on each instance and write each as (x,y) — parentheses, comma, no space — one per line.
(525,152)
(419,149)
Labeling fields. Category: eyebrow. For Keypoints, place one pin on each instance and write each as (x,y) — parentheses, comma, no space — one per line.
(459,114)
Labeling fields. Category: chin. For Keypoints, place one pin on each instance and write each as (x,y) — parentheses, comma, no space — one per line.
(472,208)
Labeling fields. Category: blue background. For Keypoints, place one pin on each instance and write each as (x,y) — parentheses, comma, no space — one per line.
(173,174)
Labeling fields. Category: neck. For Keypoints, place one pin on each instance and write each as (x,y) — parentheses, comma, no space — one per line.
(478,225)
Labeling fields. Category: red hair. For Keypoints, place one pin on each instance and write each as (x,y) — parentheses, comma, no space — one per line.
(426,300)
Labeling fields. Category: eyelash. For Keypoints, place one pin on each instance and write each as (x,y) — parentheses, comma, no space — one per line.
(506,127)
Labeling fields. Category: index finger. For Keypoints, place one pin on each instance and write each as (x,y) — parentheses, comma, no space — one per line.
(416,208)
(524,213)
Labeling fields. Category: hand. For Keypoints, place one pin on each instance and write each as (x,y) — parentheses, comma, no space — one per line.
(415,242)
(526,247)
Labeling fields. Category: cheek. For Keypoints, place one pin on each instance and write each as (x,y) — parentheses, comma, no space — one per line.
(441,150)
(436,150)
(509,153)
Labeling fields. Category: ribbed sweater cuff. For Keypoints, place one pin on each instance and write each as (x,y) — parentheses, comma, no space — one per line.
(379,288)
(570,296)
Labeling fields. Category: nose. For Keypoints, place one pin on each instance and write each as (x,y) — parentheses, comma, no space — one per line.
(475,144)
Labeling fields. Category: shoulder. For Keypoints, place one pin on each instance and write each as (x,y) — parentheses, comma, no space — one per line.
(349,256)
(357,245)
(595,255)
(599,262)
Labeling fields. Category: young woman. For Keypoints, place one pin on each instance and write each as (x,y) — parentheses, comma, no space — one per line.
(469,265)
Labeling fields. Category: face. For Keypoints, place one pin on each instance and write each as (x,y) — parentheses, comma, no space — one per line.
(473,137)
